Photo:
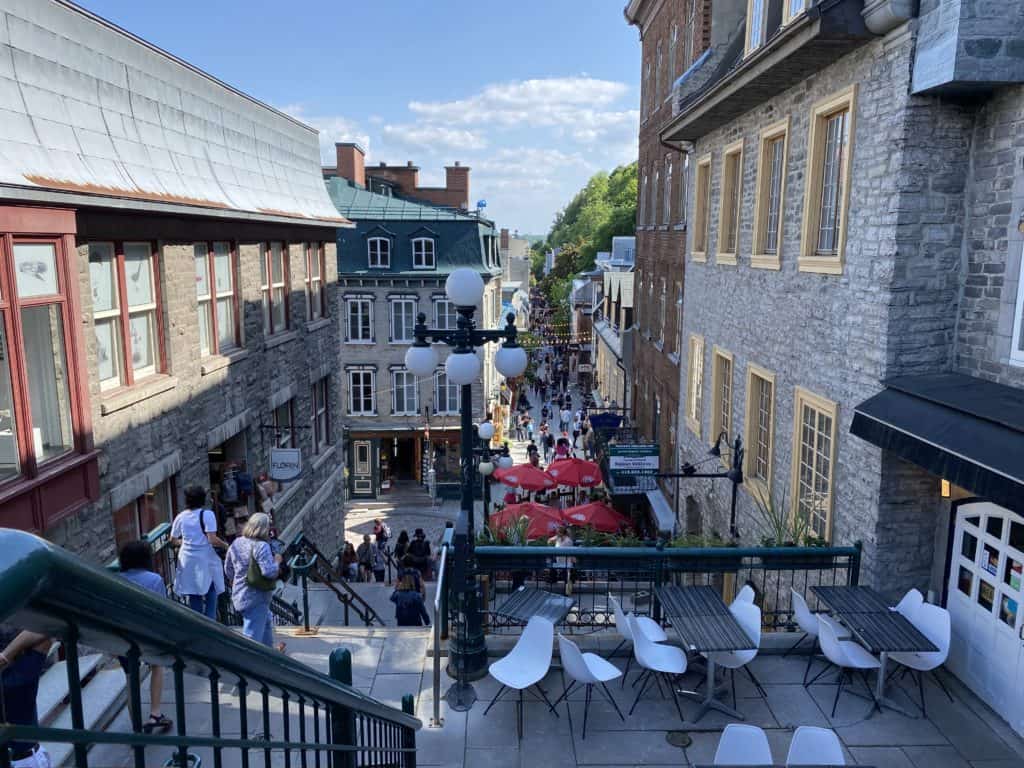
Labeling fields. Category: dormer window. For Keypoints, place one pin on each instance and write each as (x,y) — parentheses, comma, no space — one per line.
(379,252)
(423,253)
(792,9)
(756,17)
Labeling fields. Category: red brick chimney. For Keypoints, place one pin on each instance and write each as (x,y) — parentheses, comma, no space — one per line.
(351,161)
(504,239)
(457,183)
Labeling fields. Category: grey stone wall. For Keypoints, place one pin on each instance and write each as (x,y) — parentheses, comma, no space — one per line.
(199,400)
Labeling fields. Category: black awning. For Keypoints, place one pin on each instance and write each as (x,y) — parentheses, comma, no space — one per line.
(965,430)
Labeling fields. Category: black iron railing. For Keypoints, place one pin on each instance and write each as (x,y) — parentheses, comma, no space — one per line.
(592,575)
(283,706)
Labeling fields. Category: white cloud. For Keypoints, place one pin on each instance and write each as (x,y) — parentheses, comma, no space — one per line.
(332,128)
(432,136)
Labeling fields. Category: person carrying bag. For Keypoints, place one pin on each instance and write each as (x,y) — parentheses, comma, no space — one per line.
(252,568)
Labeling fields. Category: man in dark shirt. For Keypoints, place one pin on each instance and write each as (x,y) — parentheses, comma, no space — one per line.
(21,666)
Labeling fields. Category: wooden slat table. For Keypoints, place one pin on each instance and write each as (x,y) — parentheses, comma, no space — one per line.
(704,624)
(527,602)
(878,627)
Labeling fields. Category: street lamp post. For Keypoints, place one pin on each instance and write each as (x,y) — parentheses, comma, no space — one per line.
(734,474)
(465,287)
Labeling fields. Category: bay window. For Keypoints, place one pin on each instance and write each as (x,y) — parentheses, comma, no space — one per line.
(217,297)
(274,286)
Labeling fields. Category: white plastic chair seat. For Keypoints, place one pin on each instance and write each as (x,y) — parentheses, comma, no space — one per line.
(651,629)
(745,595)
(909,604)
(602,670)
(530,659)
(844,653)
(815,746)
(933,622)
(743,745)
(919,662)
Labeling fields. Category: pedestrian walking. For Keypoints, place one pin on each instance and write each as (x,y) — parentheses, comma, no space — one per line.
(529,428)
(371,561)
(410,610)
(565,419)
(200,573)
(419,548)
(21,666)
(252,568)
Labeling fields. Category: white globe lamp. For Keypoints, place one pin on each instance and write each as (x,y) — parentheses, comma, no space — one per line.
(510,361)
(486,468)
(485,430)
(462,367)
(464,287)
(421,361)
(504,462)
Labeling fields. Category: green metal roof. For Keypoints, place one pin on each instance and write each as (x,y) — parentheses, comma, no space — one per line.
(356,203)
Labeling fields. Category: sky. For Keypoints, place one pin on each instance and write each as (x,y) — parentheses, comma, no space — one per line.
(534,95)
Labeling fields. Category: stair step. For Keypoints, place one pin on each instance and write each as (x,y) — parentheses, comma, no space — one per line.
(53,685)
(102,698)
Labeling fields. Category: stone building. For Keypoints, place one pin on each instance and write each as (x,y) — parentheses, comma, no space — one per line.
(853,295)
(515,276)
(613,332)
(673,34)
(392,266)
(168,262)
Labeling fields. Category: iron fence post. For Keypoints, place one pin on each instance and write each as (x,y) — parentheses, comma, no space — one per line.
(408,759)
(343,720)
(305,602)
(135,702)
(854,578)
(75,693)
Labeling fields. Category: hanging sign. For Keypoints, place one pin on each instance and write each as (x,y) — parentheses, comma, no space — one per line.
(285,463)
(633,459)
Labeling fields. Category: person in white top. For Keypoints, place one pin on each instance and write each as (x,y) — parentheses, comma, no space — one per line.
(200,573)
(564,564)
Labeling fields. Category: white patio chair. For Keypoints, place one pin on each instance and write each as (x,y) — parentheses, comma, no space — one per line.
(588,670)
(745,595)
(525,665)
(808,623)
(845,654)
(933,623)
(909,604)
(651,629)
(748,616)
(658,661)
(815,746)
(743,745)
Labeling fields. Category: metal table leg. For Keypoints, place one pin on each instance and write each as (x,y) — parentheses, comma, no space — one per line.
(707,700)
(880,697)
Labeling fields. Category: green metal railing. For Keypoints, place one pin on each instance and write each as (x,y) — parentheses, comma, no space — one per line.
(633,574)
(46,589)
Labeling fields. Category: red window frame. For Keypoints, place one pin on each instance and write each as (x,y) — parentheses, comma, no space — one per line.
(211,282)
(320,394)
(320,255)
(267,289)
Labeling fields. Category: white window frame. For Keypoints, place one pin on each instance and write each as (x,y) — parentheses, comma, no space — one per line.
(352,385)
(695,383)
(349,338)
(394,304)
(450,398)
(450,317)
(382,256)
(316,296)
(419,260)
(757,18)
(1016,351)
(791,9)
(652,208)
(406,387)
(667,202)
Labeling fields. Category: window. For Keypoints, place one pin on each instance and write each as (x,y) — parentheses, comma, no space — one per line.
(359,328)
(792,9)
(319,399)
(679,319)
(667,201)
(760,429)
(673,41)
(423,253)
(657,77)
(362,399)
(702,209)
(684,179)
(446,394)
(756,18)
(217,297)
(284,434)
(721,394)
(662,306)
(729,204)
(695,383)
(692,15)
(403,319)
(652,208)
(827,184)
(445,316)
(643,201)
(316,299)
(379,252)
(1017,347)
(768,196)
(140,516)
(814,454)
(274,287)
(126,297)
(404,393)
(645,97)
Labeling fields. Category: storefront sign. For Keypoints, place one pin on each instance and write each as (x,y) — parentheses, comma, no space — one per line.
(584,368)
(633,459)
(285,463)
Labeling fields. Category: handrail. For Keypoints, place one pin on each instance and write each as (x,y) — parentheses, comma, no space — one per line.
(654,552)
(333,580)
(47,589)
(436,721)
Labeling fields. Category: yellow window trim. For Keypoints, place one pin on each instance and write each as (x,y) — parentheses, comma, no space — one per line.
(718,354)
(747,47)
(696,344)
(755,486)
(701,207)
(808,260)
(759,260)
(801,398)
(727,193)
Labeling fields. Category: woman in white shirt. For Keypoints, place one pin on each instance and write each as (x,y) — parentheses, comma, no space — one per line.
(200,574)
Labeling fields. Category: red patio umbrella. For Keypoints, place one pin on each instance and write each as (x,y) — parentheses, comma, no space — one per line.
(527,477)
(544,520)
(598,514)
(575,472)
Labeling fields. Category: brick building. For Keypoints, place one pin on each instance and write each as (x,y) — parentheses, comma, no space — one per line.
(166,293)
(853,296)
(391,266)
(673,34)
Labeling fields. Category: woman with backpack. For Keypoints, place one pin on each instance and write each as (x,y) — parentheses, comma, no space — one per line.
(252,568)
(200,575)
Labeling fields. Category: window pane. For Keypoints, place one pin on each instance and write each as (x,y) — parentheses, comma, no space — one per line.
(36,267)
(225,323)
(756,22)
(138,274)
(10,464)
(142,328)
(314,260)
(46,366)
(276,263)
(831,183)
(102,278)
(108,351)
(771,238)
(278,309)
(205,329)
(202,267)
(222,267)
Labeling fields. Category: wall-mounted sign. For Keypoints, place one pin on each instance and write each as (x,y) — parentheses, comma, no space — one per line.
(633,459)
(285,463)
(584,368)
